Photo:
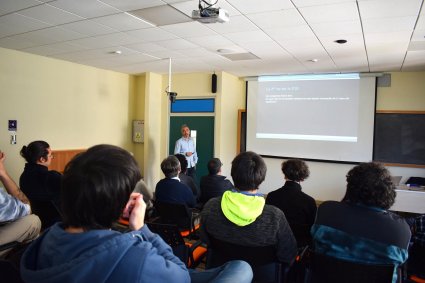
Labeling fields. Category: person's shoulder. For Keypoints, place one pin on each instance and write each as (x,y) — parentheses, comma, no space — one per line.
(273,211)
(212,203)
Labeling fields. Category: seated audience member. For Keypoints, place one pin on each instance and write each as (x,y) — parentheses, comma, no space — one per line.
(241,216)
(84,248)
(41,185)
(298,207)
(359,228)
(16,221)
(170,189)
(185,179)
(214,184)
(416,260)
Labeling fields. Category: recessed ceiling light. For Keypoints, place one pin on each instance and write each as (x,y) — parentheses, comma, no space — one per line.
(117,52)
(341,41)
(313,60)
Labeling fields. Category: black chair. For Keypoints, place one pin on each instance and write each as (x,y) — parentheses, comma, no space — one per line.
(189,253)
(185,218)
(263,261)
(326,269)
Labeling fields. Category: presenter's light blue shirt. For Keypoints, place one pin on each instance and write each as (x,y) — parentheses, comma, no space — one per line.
(187,145)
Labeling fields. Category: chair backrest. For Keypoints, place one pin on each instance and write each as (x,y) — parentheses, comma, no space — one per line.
(190,254)
(171,235)
(331,270)
(263,261)
(172,213)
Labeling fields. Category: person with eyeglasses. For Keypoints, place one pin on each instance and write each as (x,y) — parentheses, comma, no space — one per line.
(41,185)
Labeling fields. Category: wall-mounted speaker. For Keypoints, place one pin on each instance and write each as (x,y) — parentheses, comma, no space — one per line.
(214,83)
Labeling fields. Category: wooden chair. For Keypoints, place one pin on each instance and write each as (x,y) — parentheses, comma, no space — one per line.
(263,261)
(326,269)
(190,253)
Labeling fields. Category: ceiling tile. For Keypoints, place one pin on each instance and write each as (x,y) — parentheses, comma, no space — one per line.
(277,19)
(49,14)
(195,52)
(151,34)
(346,11)
(9,6)
(188,30)
(16,43)
(419,35)
(237,24)
(415,60)
(254,6)
(306,3)
(146,47)
(267,50)
(211,41)
(129,5)
(89,28)
(289,33)
(248,37)
(176,44)
(108,40)
(122,22)
(85,8)
(338,30)
(389,24)
(15,24)
(388,8)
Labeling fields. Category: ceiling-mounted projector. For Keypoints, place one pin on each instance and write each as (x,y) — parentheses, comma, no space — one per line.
(210,15)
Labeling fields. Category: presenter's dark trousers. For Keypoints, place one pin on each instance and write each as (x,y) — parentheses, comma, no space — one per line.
(192,173)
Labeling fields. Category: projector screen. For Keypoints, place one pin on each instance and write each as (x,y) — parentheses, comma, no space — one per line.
(320,117)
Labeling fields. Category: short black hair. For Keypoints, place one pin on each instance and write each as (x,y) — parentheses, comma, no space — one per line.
(295,170)
(370,184)
(214,166)
(248,171)
(183,162)
(96,186)
(34,151)
(170,166)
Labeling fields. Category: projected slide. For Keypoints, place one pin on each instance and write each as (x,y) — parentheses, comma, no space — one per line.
(325,110)
(323,117)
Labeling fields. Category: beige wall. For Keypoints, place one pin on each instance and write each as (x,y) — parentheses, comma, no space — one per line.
(407,92)
(68,105)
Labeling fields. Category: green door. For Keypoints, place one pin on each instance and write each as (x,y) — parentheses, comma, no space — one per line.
(204,127)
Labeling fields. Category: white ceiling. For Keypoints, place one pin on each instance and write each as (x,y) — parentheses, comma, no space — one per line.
(282,36)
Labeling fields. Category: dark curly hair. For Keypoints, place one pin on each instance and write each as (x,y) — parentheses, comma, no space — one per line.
(295,170)
(370,184)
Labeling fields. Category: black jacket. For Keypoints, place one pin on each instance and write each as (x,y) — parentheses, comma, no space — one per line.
(213,186)
(298,207)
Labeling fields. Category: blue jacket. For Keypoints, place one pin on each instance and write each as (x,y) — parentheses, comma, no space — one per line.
(101,256)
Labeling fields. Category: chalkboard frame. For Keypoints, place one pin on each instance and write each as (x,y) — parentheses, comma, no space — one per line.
(395,159)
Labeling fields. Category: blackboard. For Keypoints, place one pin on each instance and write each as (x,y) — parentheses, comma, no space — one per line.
(400,138)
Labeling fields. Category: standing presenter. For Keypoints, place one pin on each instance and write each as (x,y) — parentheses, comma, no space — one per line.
(186,146)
